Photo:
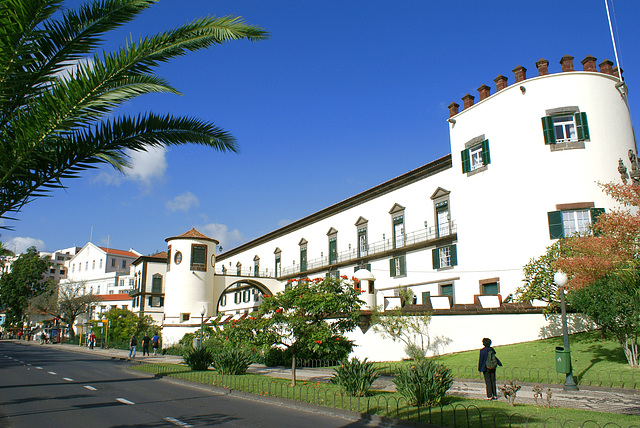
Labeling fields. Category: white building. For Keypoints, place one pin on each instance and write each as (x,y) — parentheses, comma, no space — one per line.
(523,171)
(102,270)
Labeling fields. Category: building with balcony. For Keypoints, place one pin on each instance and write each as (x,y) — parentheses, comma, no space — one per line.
(523,171)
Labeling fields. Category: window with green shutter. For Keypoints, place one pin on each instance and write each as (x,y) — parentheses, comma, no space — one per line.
(566,223)
(303,259)
(198,257)
(156,284)
(475,157)
(564,128)
(397,266)
(444,257)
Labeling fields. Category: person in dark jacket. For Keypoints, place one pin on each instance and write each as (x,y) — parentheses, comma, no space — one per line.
(488,371)
(133,342)
(145,344)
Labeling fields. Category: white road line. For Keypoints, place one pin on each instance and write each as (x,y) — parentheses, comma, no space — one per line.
(124,401)
(90,388)
(39,368)
(177,422)
(52,373)
(68,379)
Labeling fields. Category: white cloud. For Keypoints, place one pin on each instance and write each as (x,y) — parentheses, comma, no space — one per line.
(183,202)
(227,238)
(19,245)
(146,167)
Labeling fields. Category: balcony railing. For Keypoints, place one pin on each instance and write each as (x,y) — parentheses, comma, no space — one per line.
(372,250)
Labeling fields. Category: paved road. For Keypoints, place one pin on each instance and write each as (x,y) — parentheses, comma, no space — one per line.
(55,388)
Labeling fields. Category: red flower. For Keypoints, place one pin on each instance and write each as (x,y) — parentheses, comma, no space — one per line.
(278,310)
(344,277)
(337,339)
(318,341)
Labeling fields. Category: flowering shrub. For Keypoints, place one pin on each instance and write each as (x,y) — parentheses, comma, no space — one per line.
(425,382)
(231,361)
(355,377)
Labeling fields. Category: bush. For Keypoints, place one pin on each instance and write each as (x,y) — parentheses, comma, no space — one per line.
(199,358)
(175,350)
(231,361)
(276,357)
(355,377)
(425,382)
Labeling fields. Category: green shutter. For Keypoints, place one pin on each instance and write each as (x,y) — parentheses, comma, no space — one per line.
(392,267)
(403,266)
(547,129)
(486,159)
(595,213)
(435,255)
(556,226)
(425,297)
(582,127)
(453,254)
(466,161)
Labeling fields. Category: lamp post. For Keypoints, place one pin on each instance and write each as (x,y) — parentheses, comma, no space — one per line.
(202,311)
(560,279)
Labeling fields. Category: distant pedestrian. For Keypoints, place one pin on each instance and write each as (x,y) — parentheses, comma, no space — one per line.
(145,345)
(43,338)
(92,340)
(156,343)
(133,342)
(487,364)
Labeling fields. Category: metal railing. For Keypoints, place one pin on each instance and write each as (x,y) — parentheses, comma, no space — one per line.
(384,405)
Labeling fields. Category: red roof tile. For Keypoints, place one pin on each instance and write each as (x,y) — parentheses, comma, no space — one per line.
(193,234)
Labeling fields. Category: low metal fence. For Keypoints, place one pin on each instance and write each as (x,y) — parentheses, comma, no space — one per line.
(384,405)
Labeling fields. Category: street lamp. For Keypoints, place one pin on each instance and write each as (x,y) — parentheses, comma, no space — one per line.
(202,311)
(560,279)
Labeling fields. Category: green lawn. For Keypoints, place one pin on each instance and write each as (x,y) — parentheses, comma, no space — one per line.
(456,411)
(595,361)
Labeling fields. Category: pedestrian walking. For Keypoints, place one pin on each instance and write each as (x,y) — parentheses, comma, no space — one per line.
(487,364)
(92,340)
(156,343)
(145,345)
(133,342)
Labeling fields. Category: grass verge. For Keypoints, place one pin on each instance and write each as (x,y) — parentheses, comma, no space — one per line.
(456,411)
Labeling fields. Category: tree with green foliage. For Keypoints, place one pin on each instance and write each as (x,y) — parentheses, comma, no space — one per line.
(538,279)
(122,324)
(613,302)
(58,95)
(24,281)
(308,315)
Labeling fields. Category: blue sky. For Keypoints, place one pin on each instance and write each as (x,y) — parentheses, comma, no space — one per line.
(344,96)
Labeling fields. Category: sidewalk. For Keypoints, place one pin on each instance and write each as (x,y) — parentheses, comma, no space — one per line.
(610,400)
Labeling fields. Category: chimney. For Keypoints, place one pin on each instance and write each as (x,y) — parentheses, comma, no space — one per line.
(606,67)
(467,100)
(484,92)
(543,67)
(453,109)
(616,71)
(589,63)
(501,82)
(520,73)
(566,62)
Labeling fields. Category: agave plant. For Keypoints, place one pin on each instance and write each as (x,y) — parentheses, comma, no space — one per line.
(58,94)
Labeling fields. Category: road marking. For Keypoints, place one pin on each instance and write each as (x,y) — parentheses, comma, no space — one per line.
(52,373)
(177,422)
(68,379)
(124,401)
(39,368)
(90,388)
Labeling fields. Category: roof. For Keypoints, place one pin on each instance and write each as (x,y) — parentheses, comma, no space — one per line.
(192,234)
(160,257)
(119,252)
(113,297)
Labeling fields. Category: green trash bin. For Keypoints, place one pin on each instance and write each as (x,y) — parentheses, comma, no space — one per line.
(563,360)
